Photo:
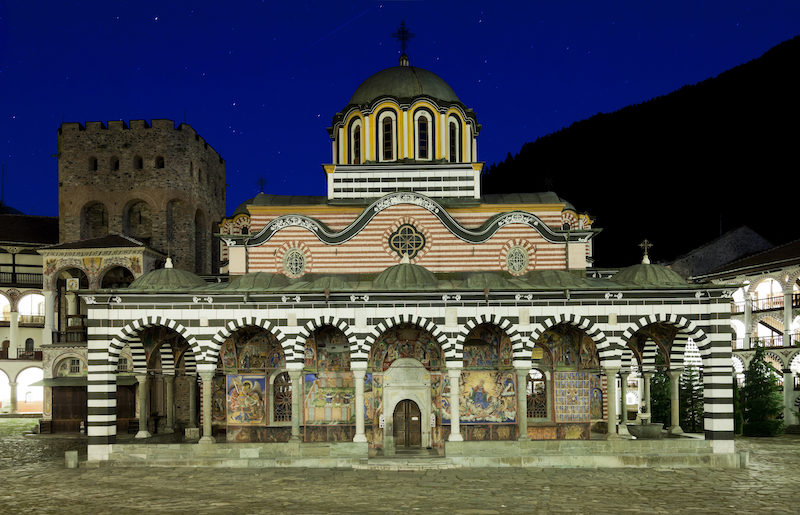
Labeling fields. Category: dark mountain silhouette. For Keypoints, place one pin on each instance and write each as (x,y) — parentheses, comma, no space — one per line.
(678,169)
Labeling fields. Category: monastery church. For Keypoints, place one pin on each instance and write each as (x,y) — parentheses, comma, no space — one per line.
(402,313)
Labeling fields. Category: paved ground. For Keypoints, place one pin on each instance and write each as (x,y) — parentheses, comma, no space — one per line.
(37,482)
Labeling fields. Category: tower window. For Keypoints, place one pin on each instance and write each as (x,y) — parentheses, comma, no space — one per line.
(93,164)
(357,145)
(454,157)
(388,153)
(422,132)
(114,164)
(159,162)
(138,163)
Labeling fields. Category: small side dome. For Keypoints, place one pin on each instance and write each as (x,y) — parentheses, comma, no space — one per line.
(406,276)
(256,281)
(170,279)
(649,275)
(489,280)
(558,279)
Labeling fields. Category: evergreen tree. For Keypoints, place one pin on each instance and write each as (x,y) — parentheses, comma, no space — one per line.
(738,418)
(659,392)
(762,400)
(691,400)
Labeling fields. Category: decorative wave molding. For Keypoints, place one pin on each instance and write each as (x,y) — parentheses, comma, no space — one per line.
(329,237)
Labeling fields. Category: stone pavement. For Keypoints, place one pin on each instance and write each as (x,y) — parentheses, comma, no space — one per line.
(768,486)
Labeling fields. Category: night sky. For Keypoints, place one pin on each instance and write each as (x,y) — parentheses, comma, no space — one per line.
(261,81)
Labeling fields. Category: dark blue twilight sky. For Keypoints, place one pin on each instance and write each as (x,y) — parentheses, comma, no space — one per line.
(260,81)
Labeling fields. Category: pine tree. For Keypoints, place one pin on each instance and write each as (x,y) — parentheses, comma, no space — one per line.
(691,400)
(659,392)
(762,400)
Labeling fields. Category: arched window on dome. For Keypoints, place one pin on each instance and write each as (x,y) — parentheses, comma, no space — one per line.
(425,131)
(355,145)
(387,136)
(454,137)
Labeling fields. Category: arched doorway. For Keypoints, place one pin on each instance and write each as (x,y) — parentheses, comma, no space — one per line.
(407,425)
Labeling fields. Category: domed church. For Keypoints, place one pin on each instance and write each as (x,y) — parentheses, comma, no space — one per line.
(407,313)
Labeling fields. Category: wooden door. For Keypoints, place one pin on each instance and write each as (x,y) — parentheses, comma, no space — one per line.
(69,408)
(407,424)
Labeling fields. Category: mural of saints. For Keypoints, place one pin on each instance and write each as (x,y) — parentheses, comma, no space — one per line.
(405,341)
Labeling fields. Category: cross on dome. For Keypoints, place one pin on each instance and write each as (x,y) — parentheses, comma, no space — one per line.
(402,36)
(646,245)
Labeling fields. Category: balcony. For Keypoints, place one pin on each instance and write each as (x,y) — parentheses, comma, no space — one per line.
(765,341)
(77,335)
(23,354)
(773,302)
(20,279)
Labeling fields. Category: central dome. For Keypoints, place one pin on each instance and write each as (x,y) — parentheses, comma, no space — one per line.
(403,82)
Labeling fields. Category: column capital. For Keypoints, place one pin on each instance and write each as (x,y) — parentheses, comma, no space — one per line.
(359,373)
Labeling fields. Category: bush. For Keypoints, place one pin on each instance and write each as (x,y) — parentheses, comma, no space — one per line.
(772,427)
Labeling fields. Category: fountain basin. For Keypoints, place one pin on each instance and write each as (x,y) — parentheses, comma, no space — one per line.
(646,431)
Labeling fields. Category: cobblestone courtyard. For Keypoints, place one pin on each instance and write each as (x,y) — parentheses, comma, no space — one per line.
(35,481)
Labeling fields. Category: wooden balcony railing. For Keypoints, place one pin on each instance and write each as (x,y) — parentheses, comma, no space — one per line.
(71,336)
(765,341)
(766,304)
(20,279)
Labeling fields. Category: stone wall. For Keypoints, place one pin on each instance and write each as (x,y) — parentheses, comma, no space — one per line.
(159,183)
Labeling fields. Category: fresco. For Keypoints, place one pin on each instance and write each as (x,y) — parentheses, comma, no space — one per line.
(327,349)
(329,398)
(487,347)
(570,348)
(259,434)
(485,397)
(571,396)
(377,410)
(218,401)
(405,341)
(595,397)
(246,400)
(251,349)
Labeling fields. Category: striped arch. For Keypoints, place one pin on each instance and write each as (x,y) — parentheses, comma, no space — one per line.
(775,356)
(129,335)
(234,325)
(167,359)
(685,328)
(677,352)
(447,348)
(517,344)
(189,361)
(342,325)
(610,354)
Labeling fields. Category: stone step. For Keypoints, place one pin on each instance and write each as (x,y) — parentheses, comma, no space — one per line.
(405,464)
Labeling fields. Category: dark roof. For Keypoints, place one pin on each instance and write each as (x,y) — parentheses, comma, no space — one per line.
(266,199)
(403,82)
(31,229)
(108,241)
(783,255)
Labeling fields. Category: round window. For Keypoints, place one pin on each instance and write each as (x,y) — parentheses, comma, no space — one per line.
(294,262)
(517,260)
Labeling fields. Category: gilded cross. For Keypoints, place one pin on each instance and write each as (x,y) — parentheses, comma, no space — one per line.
(646,245)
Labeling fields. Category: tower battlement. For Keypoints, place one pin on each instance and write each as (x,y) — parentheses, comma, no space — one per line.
(155,182)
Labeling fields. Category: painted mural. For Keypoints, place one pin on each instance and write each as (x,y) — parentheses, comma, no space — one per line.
(595,397)
(258,434)
(569,348)
(487,347)
(251,349)
(329,398)
(405,341)
(327,349)
(246,402)
(571,396)
(486,396)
